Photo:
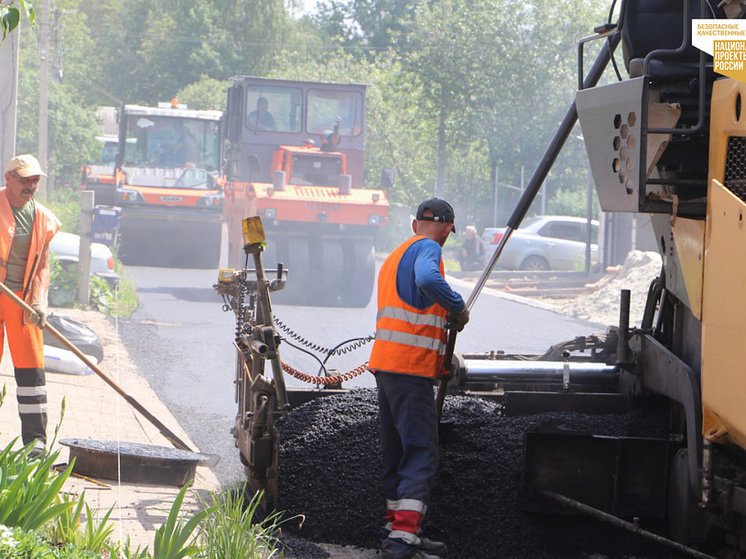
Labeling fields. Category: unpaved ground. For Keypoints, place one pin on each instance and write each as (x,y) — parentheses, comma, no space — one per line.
(600,303)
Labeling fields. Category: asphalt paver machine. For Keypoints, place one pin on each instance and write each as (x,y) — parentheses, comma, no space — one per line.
(668,140)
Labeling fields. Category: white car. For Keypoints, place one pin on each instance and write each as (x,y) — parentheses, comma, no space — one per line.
(66,246)
(546,242)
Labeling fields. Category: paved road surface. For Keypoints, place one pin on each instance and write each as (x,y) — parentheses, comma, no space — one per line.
(181,342)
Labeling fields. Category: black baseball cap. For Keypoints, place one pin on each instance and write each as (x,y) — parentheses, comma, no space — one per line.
(442,211)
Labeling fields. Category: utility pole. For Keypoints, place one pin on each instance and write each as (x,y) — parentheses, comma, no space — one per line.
(8,96)
(58,69)
(44,187)
(84,249)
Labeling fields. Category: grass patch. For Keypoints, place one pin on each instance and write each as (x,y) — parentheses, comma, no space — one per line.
(63,289)
(38,520)
(65,204)
(126,302)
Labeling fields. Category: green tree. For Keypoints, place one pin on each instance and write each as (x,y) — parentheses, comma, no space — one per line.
(206,94)
(91,36)
(72,126)
(11,14)
(501,76)
(170,45)
(109,52)
(366,27)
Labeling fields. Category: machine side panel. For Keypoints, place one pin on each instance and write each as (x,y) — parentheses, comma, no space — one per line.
(614,119)
(689,238)
(610,117)
(727,95)
(723,329)
(681,245)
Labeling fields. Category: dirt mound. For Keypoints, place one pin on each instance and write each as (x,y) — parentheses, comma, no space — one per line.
(330,470)
(601,305)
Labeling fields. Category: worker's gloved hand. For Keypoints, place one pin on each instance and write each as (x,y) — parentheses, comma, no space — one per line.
(459,320)
(39,318)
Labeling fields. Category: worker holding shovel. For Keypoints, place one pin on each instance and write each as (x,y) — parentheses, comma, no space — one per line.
(26,229)
(414,305)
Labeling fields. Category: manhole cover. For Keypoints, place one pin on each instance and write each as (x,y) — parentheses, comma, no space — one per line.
(133,462)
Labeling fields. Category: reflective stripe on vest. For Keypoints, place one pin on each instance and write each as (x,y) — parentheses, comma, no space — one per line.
(408,340)
(411,317)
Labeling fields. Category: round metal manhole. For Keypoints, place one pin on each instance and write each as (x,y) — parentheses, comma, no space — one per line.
(133,462)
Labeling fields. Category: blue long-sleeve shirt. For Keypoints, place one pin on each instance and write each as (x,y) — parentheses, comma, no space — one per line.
(418,279)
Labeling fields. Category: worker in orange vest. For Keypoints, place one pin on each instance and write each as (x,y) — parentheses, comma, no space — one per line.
(27,228)
(414,304)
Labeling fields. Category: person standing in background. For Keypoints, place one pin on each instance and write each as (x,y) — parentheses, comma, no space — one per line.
(471,256)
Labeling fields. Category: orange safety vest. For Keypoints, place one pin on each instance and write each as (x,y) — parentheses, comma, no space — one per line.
(408,340)
(37,276)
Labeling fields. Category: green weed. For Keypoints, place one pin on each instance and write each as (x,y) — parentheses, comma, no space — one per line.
(29,489)
(233,531)
(125,550)
(174,539)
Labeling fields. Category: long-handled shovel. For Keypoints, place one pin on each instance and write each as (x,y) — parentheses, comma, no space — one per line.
(528,196)
(165,431)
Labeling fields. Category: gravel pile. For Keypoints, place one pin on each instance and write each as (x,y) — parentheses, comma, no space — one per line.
(602,304)
(330,472)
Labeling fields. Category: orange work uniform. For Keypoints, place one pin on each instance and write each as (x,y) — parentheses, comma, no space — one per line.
(25,340)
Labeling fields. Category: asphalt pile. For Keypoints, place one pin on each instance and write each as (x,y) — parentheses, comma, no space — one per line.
(330,469)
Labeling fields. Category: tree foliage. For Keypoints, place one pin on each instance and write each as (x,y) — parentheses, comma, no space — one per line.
(461,90)
(11,14)
(503,74)
(207,94)
(367,27)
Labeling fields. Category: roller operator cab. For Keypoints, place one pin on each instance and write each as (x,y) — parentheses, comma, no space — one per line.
(294,153)
(168,185)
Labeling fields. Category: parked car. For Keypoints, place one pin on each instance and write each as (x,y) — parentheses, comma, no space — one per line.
(66,245)
(547,242)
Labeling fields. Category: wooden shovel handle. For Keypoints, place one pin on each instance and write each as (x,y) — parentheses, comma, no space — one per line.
(165,431)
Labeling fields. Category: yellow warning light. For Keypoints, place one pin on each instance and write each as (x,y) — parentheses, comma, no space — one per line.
(253,230)
(174,102)
(226,275)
